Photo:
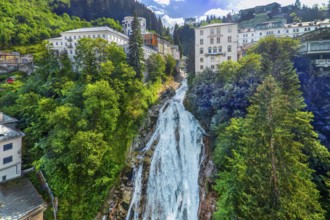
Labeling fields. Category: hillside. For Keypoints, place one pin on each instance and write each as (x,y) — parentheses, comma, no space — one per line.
(27,22)
(116,9)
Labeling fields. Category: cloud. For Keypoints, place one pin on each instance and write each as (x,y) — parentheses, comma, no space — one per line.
(170,22)
(158,11)
(163,2)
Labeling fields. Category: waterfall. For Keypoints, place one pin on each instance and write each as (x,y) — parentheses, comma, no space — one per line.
(172,191)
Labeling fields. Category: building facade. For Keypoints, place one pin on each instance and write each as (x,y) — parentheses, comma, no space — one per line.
(69,39)
(127,25)
(214,44)
(10,149)
(316,46)
(158,43)
(294,30)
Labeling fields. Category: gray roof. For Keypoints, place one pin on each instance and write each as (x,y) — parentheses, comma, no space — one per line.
(95,29)
(7,120)
(18,198)
(7,133)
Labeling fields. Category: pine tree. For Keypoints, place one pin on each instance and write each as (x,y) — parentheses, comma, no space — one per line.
(265,174)
(135,54)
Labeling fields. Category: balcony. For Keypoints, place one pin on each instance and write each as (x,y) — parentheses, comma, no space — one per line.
(215,54)
(322,63)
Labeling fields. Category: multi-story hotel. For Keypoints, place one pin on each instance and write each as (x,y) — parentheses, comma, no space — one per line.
(214,44)
(69,39)
(248,36)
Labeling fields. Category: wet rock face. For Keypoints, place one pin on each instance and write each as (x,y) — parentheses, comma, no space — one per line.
(207,195)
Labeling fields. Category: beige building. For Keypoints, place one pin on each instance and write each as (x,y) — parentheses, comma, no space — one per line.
(214,44)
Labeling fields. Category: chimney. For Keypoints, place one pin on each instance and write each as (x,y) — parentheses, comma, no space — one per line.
(1,117)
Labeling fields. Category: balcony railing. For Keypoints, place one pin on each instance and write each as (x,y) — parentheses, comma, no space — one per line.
(214,54)
(321,62)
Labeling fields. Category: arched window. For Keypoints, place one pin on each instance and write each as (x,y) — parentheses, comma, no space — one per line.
(229,48)
(214,49)
(210,49)
(220,49)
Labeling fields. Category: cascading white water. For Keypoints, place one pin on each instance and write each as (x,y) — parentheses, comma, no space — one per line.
(172,189)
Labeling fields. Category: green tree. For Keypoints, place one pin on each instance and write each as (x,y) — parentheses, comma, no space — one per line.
(266,173)
(156,67)
(170,65)
(135,53)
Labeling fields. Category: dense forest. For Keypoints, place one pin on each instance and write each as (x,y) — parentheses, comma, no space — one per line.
(255,110)
(116,9)
(25,22)
(79,124)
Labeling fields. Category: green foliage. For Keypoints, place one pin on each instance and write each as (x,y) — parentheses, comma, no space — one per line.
(135,54)
(264,172)
(156,67)
(79,125)
(170,65)
(28,22)
(272,158)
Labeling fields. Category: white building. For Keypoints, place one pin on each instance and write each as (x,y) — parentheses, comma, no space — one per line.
(127,25)
(10,149)
(69,39)
(214,44)
(248,36)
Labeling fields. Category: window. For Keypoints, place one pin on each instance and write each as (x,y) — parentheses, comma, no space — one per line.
(93,36)
(70,51)
(4,178)
(214,49)
(210,50)
(201,32)
(218,40)
(260,33)
(278,31)
(212,59)
(229,39)
(211,40)
(56,43)
(201,67)
(201,50)
(98,35)
(218,30)
(229,58)
(103,35)
(74,37)
(212,67)
(7,159)
(230,29)
(287,31)
(201,59)
(201,42)
(65,37)
(212,31)
(229,48)
(7,147)
(220,49)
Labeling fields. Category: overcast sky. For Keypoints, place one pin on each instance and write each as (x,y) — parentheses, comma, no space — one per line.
(197,8)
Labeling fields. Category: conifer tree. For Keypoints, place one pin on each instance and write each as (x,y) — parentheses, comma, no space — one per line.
(135,54)
(265,174)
